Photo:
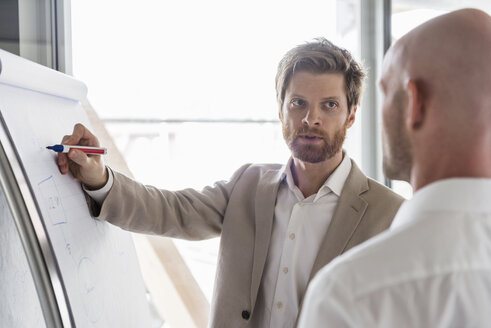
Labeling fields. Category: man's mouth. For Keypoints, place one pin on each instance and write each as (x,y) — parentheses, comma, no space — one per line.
(310,135)
(308,138)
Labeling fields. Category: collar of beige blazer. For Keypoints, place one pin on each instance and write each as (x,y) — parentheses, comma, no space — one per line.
(346,218)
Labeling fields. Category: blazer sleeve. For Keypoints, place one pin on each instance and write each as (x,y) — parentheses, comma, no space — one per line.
(186,214)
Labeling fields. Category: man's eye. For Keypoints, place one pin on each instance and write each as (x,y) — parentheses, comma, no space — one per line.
(297,102)
(331,104)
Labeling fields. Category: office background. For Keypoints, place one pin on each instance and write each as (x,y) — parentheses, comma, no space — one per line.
(186,89)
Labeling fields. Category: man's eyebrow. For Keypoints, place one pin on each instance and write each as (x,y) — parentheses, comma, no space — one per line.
(297,95)
(331,98)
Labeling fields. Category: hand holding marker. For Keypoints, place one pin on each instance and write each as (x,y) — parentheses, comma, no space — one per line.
(86,149)
(89,169)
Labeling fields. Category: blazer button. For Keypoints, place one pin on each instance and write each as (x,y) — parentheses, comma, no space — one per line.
(246,315)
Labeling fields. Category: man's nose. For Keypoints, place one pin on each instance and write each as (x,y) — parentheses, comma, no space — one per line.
(312,116)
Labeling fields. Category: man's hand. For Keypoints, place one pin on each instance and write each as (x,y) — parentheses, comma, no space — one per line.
(88,169)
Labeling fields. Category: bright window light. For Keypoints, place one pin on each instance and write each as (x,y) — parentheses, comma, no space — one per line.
(194,60)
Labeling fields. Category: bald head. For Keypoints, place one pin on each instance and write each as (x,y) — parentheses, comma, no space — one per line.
(452,53)
(442,73)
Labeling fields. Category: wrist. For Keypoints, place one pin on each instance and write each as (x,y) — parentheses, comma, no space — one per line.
(96,185)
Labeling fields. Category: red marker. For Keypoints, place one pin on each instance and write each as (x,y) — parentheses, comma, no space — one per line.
(85,149)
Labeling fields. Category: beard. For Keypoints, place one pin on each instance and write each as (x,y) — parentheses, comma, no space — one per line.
(397,154)
(311,153)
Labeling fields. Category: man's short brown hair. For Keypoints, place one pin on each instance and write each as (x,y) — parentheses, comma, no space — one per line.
(321,56)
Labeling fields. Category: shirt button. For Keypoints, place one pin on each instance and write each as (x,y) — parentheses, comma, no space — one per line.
(292,236)
(279,305)
(285,270)
(246,315)
(301,204)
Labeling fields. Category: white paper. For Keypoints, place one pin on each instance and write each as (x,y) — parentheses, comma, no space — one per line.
(98,263)
(25,74)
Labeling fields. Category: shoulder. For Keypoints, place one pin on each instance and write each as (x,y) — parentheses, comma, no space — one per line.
(378,190)
(250,176)
(370,190)
(358,271)
(385,261)
(265,167)
(383,204)
(258,170)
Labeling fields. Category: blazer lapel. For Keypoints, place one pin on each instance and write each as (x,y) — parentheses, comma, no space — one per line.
(347,216)
(265,202)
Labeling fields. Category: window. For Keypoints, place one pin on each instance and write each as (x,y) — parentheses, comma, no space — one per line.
(187,88)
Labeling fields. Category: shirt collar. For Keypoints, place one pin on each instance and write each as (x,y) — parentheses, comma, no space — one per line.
(335,182)
(450,195)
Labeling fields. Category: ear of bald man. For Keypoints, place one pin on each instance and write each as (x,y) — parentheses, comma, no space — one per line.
(416,113)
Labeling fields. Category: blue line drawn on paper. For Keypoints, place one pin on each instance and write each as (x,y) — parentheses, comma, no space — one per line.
(52,201)
(44,180)
(92,298)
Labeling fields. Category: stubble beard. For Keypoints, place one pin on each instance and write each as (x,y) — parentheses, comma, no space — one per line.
(315,153)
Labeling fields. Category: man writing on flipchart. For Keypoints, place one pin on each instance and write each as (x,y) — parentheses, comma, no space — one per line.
(278,224)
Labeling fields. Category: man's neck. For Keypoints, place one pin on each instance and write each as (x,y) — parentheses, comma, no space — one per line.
(309,177)
(471,162)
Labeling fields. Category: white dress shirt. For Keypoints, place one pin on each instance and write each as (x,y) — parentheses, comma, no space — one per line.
(100,194)
(431,269)
(299,227)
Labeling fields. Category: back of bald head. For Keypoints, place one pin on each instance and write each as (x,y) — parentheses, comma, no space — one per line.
(451,57)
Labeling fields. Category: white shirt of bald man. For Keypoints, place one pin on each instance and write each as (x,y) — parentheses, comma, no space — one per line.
(432,268)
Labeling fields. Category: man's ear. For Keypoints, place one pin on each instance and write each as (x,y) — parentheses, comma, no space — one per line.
(416,109)
(351,117)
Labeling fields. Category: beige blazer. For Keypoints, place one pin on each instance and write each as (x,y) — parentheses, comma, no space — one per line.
(241,211)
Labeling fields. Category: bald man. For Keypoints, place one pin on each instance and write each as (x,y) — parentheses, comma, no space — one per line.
(432,268)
